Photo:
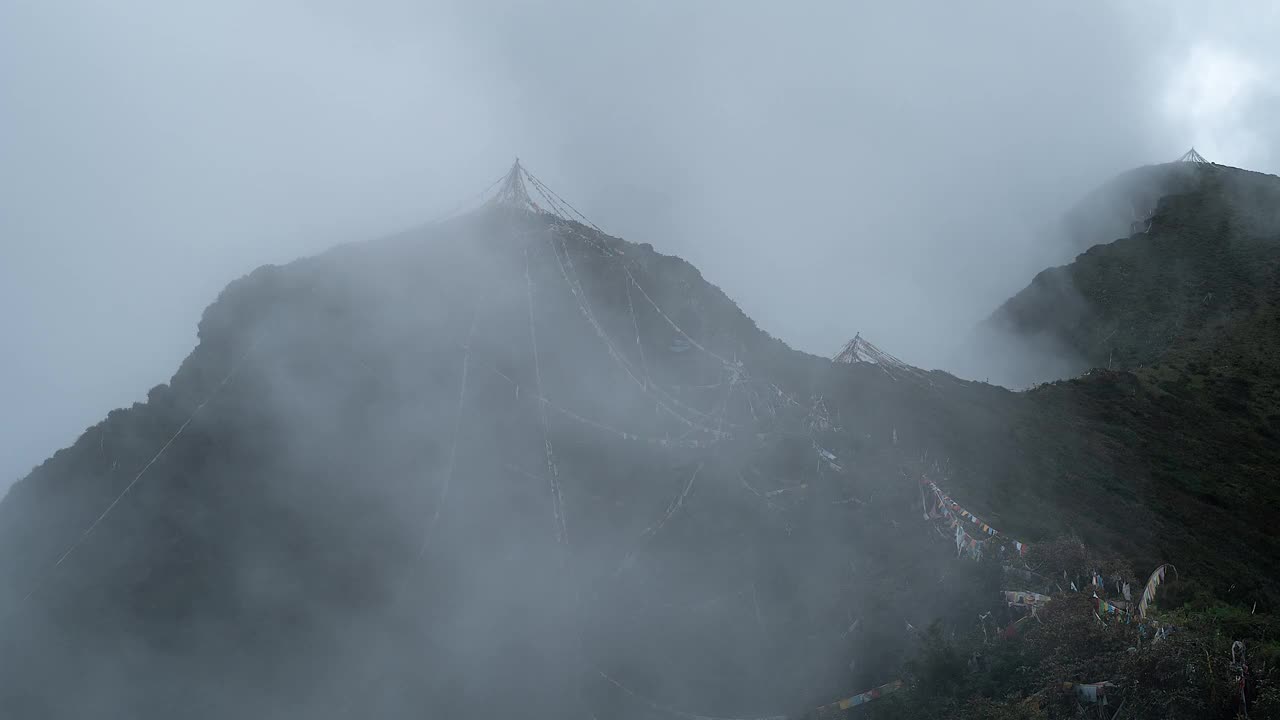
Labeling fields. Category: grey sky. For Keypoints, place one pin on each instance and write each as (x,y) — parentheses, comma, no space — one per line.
(834,167)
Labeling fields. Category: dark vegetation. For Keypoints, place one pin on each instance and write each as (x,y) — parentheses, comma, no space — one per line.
(345,530)
(1174,449)
(1207,266)
(1170,455)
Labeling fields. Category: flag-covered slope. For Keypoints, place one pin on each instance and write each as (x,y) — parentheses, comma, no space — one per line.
(470,470)
(512,465)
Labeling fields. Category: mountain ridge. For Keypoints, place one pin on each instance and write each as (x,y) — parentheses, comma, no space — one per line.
(476,466)
(312,475)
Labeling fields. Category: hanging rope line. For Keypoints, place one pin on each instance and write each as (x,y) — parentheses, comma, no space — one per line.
(553,473)
(766,497)
(551,197)
(457,431)
(736,372)
(470,200)
(946,508)
(631,308)
(558,210)
(572,280)
(664,400)
(566,221)
(84,536)
(570,275)
(623,434)
(653,529)
(736,366)
(542,187)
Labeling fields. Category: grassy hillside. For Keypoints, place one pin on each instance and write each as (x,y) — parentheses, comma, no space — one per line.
(1173,450)
(1169,456)
(1207,264)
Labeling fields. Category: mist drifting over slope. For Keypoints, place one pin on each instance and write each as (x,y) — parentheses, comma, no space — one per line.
(510,464)
(893,166)
(492,465)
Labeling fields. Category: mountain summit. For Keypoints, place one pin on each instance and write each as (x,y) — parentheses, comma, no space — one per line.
(1198,271)
(477,467)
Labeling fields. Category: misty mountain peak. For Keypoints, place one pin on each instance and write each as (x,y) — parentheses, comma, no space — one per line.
(508,463)
(512,193)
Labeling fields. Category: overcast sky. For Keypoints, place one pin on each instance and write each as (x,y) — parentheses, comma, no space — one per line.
(833,166)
